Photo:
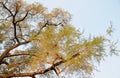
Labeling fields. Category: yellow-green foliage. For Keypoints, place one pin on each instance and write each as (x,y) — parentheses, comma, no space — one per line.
(48,41)
(65,42)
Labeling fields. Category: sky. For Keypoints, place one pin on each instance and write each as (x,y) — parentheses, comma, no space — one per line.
(93,17)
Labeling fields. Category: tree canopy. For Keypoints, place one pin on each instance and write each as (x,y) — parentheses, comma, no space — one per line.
(34,41)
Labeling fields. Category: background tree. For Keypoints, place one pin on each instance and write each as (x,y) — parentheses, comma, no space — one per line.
(34,41)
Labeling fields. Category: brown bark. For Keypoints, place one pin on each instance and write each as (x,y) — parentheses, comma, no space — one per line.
(32,74)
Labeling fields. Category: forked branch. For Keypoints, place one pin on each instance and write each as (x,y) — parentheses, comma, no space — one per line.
(32,74)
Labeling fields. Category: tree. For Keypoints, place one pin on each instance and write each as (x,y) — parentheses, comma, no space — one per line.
(34,41)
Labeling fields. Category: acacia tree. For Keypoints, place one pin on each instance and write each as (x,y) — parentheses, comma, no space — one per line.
(34,41)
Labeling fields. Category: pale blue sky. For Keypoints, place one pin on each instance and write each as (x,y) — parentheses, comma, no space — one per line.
(94,17)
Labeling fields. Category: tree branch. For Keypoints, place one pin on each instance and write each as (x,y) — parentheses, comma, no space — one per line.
(15,33)
(45,25)
(23,17)
(41,29)
(17,55)
(7,8)
(32,74)
(6,52)
(3,62)
(13,21)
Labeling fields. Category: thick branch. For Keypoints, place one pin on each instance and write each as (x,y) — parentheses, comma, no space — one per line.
(6,52)
(32,74)
(3,62)
(15,30)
